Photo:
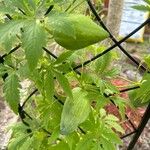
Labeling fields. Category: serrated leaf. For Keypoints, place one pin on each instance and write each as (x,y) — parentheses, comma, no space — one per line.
(49,85)
(75,111)
(112,136)
(3,70)
(103,63)
(24,71)
(9,31)
(111,118)
(63,81)
(11,91)
(122,109)
(33,39)
(50,113)
(16,143)
(64,67)
(63,57)
(102,113)
(26,145)
(141,96)
(21,4)
(86,142)
(115,125)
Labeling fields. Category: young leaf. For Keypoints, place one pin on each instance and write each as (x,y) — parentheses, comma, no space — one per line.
(33,39)
(111,118)
(63,81)
(141,96)
(115,125)
(11,91)
(74,111)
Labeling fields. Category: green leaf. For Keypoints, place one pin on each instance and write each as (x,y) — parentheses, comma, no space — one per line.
(64,67)
(115,125)
(107,145)
(6,10)
(38,140)
(54,136)
(11,91)
(3,70)
(102,112)
(97,147)
(147,60)
(147,1)
(63,81)
(16,143)
(103,63)
(24,71)
(32,3)
(122,109)
(9,32)
(63,57)
(72,140)
(49,113)
(60,146)
(74,111)
(49,84)
(142,7)
(111,118)
(112,136)
(26,145)
(86,143)
(141,96)
(75,31)
(21,4)
(58,24)
(33,39)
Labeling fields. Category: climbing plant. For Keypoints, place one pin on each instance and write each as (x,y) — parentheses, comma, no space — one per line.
(47,43)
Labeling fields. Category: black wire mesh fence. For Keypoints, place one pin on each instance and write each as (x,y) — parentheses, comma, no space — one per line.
(136,131)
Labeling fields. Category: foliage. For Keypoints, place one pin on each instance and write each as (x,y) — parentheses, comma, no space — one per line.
(145,7)
(68,111)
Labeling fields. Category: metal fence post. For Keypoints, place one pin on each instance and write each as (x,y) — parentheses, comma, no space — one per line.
(141,127)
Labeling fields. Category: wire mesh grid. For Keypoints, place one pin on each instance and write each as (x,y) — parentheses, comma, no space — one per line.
(137,131)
